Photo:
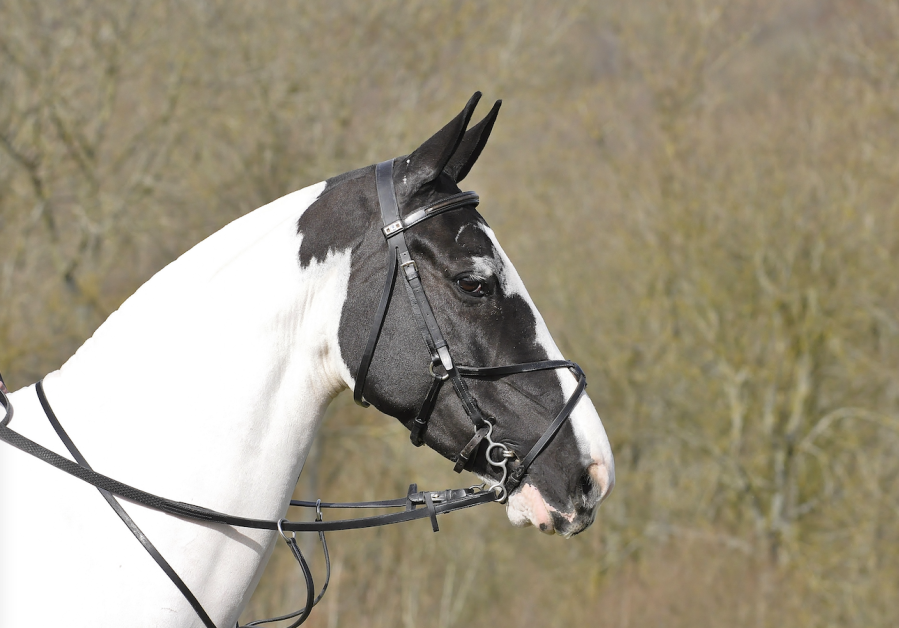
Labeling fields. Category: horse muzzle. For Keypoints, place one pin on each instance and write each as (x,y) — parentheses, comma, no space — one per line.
(527,505)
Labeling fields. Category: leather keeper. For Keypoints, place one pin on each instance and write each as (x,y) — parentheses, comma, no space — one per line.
(465,455)
(432,511)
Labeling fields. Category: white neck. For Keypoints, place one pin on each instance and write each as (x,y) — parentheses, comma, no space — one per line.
(208,385)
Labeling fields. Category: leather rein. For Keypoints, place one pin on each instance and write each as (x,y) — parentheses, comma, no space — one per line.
(441,368)
(434,502)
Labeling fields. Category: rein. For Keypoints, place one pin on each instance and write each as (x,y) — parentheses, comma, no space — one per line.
(434,502)
(442,368)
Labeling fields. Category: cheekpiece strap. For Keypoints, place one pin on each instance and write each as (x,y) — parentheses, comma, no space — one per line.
(394,233)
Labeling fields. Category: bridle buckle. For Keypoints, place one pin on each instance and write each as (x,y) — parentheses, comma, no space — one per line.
(442,377)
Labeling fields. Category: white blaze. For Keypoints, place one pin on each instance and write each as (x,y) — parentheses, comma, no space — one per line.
(588,429)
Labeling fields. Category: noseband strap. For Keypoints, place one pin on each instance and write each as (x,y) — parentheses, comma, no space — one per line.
(399,257)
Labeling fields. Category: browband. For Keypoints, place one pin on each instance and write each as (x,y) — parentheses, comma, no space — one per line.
(453,202)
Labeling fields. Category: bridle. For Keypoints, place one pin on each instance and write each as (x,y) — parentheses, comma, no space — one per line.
(498,455)
(441,369)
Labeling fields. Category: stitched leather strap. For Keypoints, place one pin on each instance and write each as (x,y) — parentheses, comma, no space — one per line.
(511,369)
(453,202)
(412,499)
(463,457)
(416,433)
(390,213)
(518,473)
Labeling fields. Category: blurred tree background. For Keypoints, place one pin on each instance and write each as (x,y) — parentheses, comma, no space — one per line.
(700,196)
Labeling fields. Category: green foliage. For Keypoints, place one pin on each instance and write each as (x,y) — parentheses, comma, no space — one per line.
(700,197)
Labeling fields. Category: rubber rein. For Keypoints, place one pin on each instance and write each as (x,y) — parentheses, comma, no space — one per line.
(441,368)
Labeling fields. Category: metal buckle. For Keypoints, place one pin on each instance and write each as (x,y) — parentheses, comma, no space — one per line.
(443,377)
(437,497)
(410,269)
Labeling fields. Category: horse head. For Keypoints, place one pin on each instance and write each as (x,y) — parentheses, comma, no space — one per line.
(484,316)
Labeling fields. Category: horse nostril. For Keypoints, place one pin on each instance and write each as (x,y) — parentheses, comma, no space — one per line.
(586,486)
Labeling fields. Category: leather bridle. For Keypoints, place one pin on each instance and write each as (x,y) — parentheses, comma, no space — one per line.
(441,368)
(398,257)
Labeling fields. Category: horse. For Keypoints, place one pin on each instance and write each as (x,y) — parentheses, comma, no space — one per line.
(209,383)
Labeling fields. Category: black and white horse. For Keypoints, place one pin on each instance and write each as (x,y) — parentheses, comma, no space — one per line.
(208,385)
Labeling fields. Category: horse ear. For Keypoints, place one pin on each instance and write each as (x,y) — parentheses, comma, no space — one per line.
(428,160)
(471,146)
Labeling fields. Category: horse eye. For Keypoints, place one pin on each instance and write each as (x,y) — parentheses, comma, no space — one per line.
(471,285)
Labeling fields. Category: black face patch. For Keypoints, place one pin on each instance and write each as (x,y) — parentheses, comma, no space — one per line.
(337,219)
(491,329)
(498,328)
(483,323)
